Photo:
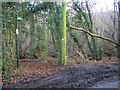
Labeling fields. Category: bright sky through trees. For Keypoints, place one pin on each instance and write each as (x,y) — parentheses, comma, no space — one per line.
(101,5)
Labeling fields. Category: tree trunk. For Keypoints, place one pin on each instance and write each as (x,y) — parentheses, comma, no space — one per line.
(118,47)
(63,56)
(32,36)
(93,39)
(1,27)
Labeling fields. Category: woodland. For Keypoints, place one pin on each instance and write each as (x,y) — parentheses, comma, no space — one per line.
(58,44)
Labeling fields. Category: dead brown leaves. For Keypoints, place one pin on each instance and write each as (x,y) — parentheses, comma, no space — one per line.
(35,69)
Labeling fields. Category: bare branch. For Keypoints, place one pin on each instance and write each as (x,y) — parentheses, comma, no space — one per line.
(94,35)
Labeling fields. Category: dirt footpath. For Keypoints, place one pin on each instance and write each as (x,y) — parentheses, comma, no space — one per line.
(108,84)
(79,76)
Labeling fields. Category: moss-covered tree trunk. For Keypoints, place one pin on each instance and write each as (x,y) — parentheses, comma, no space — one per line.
(63,56)
(1,41)
(32,36)
(55,26)
(8,39)
(93,39)
(41,50)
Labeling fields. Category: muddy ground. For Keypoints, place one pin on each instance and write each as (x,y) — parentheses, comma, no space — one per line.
(112,82)
(82,75)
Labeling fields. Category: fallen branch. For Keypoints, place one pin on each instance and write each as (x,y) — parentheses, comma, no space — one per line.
(94,35)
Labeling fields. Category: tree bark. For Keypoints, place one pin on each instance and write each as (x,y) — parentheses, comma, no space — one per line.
(118,47)
(63,58)
(98,36)
(93,39)
(1,27)
(32,36)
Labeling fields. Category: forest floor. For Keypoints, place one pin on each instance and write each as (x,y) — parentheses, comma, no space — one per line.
(48,74)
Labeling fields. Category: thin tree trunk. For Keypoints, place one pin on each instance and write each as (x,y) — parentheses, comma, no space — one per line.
(114,16)
(77,41)
(55,30)
(1,27)
(32,36)
(118,47)
(94,46)
(89,43)
(63,58)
